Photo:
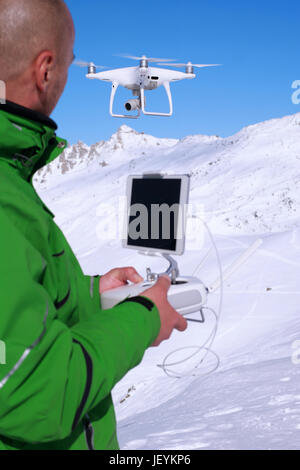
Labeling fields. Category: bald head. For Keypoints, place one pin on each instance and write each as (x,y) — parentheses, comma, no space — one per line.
(28,29)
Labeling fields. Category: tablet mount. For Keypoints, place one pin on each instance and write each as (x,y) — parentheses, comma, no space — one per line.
(172,271)
(186,294)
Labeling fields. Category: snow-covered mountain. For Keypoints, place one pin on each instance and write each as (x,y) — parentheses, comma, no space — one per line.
(125,143)
(249,182)
(245,186)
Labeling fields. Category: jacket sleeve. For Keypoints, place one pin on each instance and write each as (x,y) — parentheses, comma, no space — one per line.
(54,374)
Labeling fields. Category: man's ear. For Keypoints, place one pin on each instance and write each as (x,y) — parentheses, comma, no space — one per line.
(44,65)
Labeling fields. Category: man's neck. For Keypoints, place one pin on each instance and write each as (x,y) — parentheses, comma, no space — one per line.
(22,111)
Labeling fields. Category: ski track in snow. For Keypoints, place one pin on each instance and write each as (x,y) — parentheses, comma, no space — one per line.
(249,185)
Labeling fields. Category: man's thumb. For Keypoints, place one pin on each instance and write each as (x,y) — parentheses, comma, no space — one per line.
(164,282)
(181,323)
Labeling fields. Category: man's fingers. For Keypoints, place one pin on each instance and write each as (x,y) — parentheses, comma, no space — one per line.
(181,323)
(130,274)
(126,274)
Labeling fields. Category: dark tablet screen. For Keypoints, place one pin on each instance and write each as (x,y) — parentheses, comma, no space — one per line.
(154,213)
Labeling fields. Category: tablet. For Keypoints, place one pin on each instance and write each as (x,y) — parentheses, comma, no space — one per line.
(156,213)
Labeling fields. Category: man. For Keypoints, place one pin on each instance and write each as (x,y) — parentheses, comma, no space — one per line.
(63,353)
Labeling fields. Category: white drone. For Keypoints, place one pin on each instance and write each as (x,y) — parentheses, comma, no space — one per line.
(141,78)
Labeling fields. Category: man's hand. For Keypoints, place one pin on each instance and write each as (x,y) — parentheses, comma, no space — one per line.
(118,277)
(169,318)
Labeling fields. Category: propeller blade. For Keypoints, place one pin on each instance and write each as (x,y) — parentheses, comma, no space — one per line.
(152,59)
(206,65)
(129,57)
(82,63)
(190,64)
(149,59)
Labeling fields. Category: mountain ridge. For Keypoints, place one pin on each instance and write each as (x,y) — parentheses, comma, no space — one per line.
(249,182)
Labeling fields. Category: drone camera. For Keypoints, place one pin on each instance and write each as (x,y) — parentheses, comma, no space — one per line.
(132,105)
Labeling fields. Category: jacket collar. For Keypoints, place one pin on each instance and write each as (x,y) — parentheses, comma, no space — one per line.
(27,139)
(18,110)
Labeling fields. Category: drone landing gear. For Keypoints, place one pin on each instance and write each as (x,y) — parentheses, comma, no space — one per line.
(141,103)
(169,95)
(112,98)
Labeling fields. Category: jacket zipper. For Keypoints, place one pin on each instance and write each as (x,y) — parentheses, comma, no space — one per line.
(89,432)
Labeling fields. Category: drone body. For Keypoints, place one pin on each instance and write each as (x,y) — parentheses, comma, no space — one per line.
(141,78)
(134,77)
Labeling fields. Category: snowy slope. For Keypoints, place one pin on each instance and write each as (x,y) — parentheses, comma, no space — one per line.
(252,401)
(245,186)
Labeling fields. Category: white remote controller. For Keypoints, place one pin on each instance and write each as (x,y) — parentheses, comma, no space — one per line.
(187,295)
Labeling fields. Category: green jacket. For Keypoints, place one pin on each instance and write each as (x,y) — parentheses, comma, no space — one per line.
(63,353)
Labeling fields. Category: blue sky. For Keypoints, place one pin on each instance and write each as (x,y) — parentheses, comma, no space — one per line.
(256,41)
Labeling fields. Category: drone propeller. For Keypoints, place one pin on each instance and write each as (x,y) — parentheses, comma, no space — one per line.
(148,59)
(189,64)
(81,63)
